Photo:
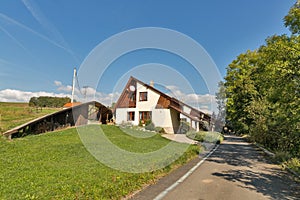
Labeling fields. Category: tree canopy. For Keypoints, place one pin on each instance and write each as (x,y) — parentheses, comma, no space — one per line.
(44,101)
(292,19)
(263,90)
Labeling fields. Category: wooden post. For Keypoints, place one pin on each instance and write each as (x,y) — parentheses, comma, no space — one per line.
(100,117)
(52,124)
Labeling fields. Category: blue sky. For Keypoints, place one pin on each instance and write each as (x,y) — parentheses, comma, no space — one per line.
(41,41)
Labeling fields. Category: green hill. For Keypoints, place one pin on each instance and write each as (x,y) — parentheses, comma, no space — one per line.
(56,165)
(15,114)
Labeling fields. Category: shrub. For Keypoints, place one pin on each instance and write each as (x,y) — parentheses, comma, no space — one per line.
(145,123)
(204,125)
(126,124)
(205,136)
(148,122)
(294,164)
(141,122)
(281,156)
(159,130)
(199,136)
(184,127)
(150,126)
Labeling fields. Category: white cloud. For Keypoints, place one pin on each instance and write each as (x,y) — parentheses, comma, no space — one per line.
(175,92)
(65,88)
(88,91)
(91,94)
(88,94)
(204,102)
(10,95)
(57,83)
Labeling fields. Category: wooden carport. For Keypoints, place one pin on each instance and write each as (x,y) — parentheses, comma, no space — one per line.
(74,116)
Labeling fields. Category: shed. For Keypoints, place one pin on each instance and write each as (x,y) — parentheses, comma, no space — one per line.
(73,116)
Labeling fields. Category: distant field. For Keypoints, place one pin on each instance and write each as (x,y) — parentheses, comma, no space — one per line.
(14,114)
(56,165)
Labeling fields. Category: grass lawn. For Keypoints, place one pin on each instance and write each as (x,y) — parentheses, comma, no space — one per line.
(57,165)
(15,114)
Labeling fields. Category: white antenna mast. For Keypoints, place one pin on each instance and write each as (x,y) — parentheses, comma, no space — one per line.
(73,86)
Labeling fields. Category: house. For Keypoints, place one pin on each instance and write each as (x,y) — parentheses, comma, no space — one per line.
(140,102)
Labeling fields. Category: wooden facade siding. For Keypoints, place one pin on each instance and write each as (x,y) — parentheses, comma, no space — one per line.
(163,102)
(126,99)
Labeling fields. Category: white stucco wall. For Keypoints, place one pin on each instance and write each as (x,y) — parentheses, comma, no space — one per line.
(151,102)
(149,105)
(164,118)
(186,109)
(121,116)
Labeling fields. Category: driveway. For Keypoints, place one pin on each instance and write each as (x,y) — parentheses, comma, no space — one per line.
(236,170)
(179,138)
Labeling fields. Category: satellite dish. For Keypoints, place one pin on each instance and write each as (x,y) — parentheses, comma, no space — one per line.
(132,88)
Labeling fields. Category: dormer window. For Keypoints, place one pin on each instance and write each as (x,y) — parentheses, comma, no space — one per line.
(143,96)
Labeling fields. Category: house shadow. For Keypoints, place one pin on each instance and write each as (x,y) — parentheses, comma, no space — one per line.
(248,170)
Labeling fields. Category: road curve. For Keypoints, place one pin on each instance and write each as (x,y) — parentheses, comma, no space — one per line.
(236,170)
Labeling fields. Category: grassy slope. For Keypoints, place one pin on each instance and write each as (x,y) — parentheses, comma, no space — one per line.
(14,114)
(57,166)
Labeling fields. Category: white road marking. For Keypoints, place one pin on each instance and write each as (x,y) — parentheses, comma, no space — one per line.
(166,191)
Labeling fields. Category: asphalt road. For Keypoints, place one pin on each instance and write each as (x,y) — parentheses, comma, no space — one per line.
(236,170)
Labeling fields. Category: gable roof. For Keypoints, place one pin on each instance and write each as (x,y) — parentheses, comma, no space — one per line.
(165,101)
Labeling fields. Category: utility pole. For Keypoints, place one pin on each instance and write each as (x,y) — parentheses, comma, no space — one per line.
(73,85)
(85,91)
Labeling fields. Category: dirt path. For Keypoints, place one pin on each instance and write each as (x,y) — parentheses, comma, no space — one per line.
(236,170)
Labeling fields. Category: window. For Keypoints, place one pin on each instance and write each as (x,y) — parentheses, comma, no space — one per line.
(130,116)
(143,96)
(145,115)
(132,97)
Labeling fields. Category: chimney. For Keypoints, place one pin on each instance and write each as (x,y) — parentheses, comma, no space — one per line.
(152,83)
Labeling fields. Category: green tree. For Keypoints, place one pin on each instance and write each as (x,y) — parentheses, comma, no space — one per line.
(240,91)
(263,90)
(44,101)
(292,19)
(280,81)
(33,101)
(219,119)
